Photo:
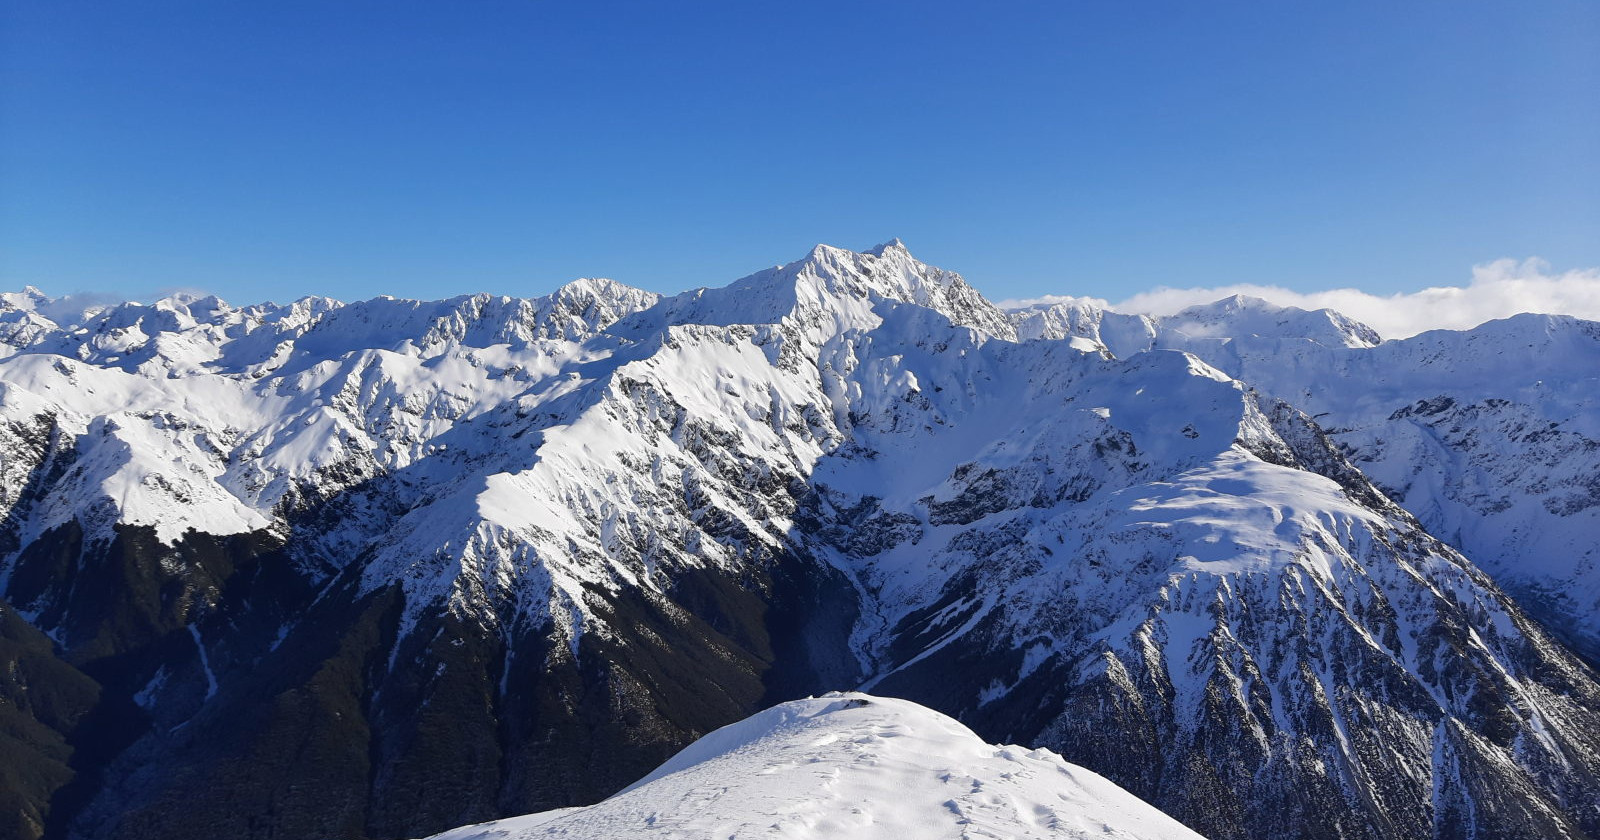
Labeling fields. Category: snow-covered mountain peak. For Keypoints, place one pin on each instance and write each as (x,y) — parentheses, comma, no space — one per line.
(1529,328)
(21,324)
(592,287)
(1239,303)
(187,299)
(829,292)
(29,298)
(1086,321)
(858,766)
(892,245)
(1243,315)
(1239,318)
(590,305)
(890,272)
(524,519)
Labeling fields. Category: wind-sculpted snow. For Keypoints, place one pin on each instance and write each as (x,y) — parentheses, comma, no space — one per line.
(853,765)
(493,555)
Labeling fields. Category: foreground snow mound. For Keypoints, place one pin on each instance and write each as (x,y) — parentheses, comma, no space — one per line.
(852,765)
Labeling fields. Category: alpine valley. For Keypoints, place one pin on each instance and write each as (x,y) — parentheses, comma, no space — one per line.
(381,569)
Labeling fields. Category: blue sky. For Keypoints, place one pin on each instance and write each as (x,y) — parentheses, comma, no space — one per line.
(272,150)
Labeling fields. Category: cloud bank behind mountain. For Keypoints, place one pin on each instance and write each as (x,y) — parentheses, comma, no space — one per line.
(1498,289)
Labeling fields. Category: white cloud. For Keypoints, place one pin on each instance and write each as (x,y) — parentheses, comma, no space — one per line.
(1498,290)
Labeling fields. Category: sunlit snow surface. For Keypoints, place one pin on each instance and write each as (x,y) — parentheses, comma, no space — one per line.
(1110,504)
(853,766)
(1490,436)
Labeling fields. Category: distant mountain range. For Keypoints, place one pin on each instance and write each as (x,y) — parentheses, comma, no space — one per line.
(381,569)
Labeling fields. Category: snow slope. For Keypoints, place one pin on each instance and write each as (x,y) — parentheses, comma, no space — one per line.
(853,765)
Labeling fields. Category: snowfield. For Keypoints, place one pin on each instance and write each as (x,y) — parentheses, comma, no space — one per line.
(850,765)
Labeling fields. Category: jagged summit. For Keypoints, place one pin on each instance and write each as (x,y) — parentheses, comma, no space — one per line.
(595,286)
(27,298)
(830,291)
(892,245)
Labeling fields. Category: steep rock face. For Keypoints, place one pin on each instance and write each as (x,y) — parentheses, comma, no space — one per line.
(1502,480)
(45,708)
(378,569)
(357,724)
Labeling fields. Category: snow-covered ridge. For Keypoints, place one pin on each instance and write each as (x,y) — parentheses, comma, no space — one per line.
(1056,523)
(1491,436)
(191,414)
(853,765)
(833,290)
(1230,319)
(246,409)
(242,414)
